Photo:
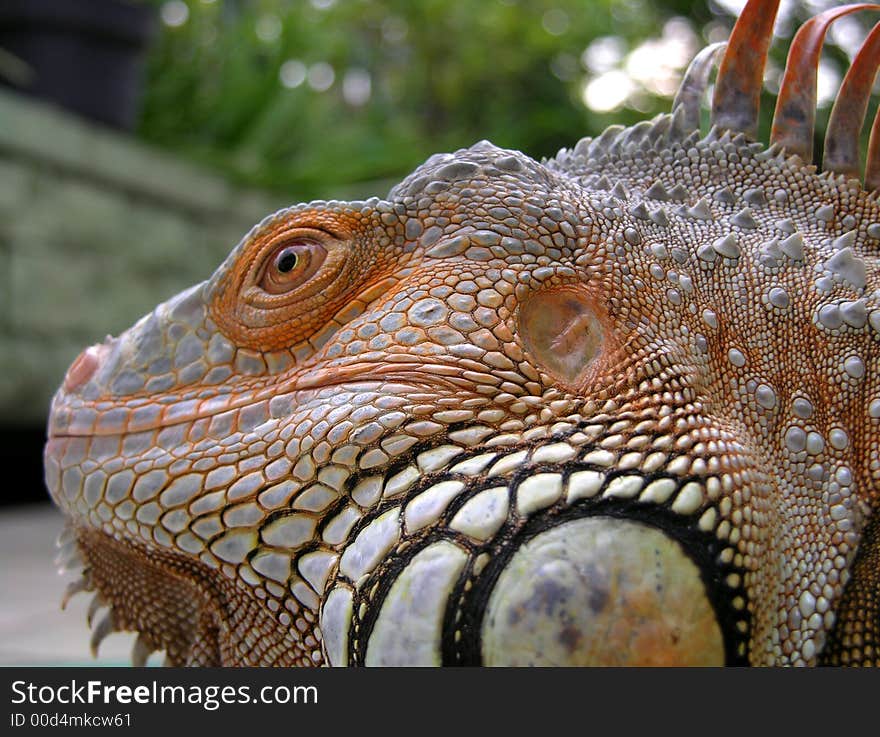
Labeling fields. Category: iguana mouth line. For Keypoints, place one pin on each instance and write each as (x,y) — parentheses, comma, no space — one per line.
(414,375)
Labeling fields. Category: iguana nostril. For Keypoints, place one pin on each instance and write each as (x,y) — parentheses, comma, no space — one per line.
(83,368)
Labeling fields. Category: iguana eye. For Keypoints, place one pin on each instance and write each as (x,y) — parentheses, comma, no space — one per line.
(291,264)
(286,260)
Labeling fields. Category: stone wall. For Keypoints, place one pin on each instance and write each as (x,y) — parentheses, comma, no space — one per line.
(95,230)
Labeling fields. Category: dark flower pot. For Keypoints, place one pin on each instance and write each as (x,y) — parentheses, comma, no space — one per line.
(85,55)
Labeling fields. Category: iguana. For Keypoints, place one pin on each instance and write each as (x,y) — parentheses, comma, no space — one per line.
(617,407)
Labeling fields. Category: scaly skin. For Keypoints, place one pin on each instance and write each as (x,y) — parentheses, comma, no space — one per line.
(619,407)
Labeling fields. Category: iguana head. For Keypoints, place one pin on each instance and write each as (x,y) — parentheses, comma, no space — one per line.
(381,427)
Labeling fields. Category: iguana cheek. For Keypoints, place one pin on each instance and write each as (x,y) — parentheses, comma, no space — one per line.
(601,591)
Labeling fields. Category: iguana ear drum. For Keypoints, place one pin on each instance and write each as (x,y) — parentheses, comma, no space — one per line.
(562,333)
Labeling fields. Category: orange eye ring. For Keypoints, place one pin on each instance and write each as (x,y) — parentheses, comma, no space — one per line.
(290,264)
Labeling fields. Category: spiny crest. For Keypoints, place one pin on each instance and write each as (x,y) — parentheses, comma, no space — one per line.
(735,105)
(736,100)
(734,113)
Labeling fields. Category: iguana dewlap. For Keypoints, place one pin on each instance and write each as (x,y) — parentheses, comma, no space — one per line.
(619,407)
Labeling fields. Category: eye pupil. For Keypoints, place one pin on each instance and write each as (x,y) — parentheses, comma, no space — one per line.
(287,261)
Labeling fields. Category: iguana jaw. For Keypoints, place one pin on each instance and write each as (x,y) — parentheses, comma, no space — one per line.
(181,606)
(172,603)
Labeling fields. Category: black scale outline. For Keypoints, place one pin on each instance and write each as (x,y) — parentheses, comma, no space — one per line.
(703,548)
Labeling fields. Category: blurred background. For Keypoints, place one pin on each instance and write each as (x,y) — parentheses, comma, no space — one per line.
(140,139)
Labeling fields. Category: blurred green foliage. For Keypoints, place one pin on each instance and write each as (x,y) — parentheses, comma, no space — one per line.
(307,97)
(443,74)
